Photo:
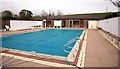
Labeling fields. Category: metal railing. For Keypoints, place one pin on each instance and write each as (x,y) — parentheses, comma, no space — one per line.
(69,42)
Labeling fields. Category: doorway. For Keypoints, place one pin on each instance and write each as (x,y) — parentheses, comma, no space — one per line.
(70,23)
(76,24)
(63,24)
(48,24)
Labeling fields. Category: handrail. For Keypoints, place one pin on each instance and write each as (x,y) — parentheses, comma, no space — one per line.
(69,42)
(67,46)
(73,39)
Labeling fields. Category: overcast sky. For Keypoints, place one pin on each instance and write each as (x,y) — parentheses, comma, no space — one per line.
(66,6)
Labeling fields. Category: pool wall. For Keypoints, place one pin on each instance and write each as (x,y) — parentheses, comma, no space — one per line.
(72,55)
(36,54)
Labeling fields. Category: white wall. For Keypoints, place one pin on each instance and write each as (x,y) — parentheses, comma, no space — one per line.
(19,24)
(39,23)
(57,22)
(92,24)
(110,25)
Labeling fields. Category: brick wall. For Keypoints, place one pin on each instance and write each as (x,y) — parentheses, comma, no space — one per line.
(67,23)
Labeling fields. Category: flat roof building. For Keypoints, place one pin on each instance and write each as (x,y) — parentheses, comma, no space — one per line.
(71,20)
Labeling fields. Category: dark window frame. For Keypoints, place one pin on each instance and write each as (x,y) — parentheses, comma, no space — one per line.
(82,22)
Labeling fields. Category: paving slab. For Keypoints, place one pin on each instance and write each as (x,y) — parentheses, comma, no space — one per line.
(99,51)
(27,64)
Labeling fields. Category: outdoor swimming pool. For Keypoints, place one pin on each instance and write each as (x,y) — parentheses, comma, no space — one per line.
(49,41)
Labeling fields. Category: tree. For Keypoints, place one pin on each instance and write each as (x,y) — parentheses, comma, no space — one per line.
(22,14)
(29,14)
(116,14)
(44,13)
(15,16)
(116,3)
(51,13)
(7,15)
(59,13)
(110,15)
(25,14)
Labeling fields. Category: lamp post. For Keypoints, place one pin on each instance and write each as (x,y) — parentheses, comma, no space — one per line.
(107,9)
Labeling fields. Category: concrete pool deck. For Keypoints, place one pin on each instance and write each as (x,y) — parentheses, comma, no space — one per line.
(29,62)
(12,32)
(99,51)
(20,31)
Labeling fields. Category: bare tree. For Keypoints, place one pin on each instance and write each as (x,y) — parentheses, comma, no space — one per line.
(52,13)
(68,14)
(44,13)
(115,3)
(59,13)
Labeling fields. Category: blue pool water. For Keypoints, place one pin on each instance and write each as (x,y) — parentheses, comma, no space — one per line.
(49,41)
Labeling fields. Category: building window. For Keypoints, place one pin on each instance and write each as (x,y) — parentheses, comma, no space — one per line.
(75,22)
(81,22)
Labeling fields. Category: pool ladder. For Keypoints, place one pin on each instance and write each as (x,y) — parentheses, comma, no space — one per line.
(69,42)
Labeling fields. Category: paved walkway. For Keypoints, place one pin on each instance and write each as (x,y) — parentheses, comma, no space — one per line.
(29,30)
(20,31)
(99,51)
(26,64)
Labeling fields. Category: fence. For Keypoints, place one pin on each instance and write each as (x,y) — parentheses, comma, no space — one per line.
(111,25)
(19,24)
(111,29)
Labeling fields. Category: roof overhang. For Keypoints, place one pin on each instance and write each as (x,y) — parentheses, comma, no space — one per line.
(84,17)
